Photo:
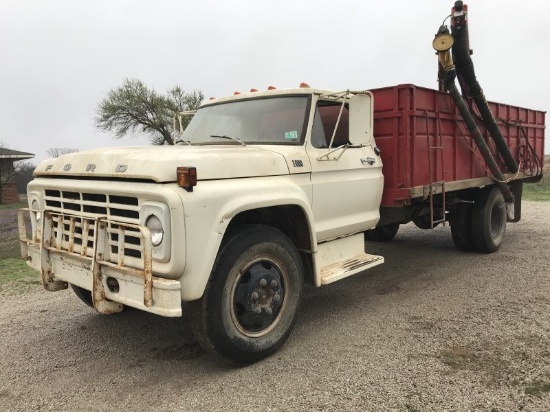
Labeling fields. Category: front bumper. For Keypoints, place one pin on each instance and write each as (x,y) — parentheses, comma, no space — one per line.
(90,253)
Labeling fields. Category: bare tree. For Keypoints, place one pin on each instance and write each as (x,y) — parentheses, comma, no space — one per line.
(60,151)
(23,175)
(134,107)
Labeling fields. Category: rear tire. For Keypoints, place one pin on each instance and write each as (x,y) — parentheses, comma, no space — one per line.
(461,227)
(424,221)
(250,303)
(382,233)
(489,221)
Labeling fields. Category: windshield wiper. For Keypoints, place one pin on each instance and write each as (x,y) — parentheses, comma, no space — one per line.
(183,141)
(236,139)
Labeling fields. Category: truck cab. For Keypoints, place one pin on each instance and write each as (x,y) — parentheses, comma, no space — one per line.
(261,190)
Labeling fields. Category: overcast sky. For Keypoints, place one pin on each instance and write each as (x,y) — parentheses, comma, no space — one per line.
(59,58)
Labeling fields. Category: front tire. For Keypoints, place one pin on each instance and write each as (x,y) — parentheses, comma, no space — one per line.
(84,295)
(251,300)
(489,221)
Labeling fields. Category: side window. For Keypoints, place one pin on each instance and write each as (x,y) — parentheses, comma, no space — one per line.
(318,138)
(324,123)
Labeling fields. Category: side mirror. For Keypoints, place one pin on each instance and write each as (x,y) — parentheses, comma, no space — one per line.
(360,118)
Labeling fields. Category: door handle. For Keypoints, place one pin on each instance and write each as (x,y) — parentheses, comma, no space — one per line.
(369,160)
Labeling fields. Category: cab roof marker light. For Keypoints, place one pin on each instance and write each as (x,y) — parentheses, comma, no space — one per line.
(304,86)
(271,88)
(253,90)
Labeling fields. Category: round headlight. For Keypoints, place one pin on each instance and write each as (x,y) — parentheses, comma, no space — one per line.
(36,206)
(154,225)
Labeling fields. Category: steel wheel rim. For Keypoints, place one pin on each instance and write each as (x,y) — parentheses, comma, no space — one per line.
(253,293)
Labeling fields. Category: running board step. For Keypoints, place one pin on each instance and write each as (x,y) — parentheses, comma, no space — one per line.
(348,267)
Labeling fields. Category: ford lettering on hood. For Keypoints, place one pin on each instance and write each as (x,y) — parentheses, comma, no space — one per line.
(159,163)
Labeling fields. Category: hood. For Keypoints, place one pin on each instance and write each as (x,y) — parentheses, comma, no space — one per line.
(159,163)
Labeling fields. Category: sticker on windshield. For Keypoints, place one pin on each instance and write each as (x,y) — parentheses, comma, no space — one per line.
(291,135)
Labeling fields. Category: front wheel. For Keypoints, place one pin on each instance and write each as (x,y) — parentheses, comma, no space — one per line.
(84,295)
(250,303)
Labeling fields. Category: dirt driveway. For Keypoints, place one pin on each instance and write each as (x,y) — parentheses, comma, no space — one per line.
(433,329)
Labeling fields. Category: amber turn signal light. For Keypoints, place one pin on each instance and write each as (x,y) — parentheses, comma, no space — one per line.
(187,177)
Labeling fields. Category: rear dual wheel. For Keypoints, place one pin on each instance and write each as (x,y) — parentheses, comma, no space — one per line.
(461,227)
(383,233)
(480,226)
(489,221)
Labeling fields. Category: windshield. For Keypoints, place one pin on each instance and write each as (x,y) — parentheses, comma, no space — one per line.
(276,120)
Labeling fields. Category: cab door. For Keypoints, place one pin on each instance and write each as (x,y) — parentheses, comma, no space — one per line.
(346,173)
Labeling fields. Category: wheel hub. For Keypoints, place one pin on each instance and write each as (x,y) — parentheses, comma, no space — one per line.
(258,297)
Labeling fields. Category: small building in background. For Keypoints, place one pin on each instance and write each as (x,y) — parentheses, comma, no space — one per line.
(8,188)
(546,169)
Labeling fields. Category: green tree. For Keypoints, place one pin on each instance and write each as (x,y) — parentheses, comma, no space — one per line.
(133,107)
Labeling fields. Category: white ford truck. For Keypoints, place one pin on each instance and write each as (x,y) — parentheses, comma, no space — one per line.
(266,190)
(263,191)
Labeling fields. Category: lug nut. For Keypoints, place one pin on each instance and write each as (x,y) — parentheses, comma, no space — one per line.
(269,311)
(258,310)
(263,282)
(273,283)
(277,297)
(254,296)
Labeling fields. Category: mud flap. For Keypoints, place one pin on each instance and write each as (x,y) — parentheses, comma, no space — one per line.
(517,190)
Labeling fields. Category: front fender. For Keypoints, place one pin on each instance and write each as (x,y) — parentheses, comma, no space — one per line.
(213,204)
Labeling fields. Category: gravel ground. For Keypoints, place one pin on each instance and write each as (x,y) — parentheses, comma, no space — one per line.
(433,329)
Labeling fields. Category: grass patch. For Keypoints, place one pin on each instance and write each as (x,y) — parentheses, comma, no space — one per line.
(537,387)
(10,248)
(16,276)
(488,359)
(537,191)
(9,231)
(463,357)
(18,205)
(511,363)
(411,408)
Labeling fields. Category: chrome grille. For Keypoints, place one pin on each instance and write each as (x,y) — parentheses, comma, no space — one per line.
(74,218)
(121,208)
(73,234)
